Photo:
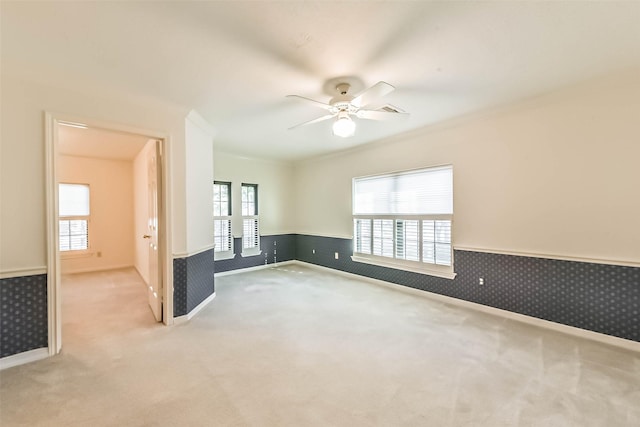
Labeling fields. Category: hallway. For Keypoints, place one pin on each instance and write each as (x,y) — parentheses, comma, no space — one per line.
(100,307)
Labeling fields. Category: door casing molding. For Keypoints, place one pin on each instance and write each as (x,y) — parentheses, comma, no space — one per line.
(54,291)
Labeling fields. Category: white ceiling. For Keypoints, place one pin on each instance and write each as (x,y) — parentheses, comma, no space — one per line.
(99,143)
(234,62)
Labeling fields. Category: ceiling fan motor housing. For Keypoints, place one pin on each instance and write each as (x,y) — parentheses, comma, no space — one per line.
(342,101)
(342,105)
(343,88)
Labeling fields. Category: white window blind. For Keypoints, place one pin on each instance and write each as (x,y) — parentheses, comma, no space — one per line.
(407,239)
(383,237)
(74,235)
(73,200)
(222,237)
(436,242)
(250,220)
(250,235)
(423,192)
(404,220)
(73,211)
(362,236)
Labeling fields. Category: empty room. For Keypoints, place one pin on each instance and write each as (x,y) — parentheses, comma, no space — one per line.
(320,213)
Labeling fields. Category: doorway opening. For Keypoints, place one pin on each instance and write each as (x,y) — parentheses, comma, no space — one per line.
(119,230)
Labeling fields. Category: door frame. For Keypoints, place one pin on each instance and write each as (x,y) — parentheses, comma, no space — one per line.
(54,291)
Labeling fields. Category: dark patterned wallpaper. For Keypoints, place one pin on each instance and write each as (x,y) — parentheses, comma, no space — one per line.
(200,285)
(193,277)
(179,287)
(23,314)
(275,248)
(193,281)
(596,297)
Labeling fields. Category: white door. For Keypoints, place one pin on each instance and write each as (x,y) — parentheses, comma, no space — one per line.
(155,282)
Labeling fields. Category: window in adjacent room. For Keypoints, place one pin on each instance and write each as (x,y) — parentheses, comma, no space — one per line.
(403,220)
(73,217)
(222,237)
(250,221)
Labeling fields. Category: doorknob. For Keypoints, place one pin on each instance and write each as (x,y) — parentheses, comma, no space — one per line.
(146,236)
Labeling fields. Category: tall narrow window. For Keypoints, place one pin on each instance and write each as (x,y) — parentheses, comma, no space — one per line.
(403,220)
(73,212)
(222,236)
(250,221)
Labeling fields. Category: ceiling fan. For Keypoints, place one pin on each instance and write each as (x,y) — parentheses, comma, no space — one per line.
(343,106)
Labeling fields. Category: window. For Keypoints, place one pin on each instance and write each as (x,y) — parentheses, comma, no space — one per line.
(250,222)
(73,213)
(222,237)
(404,220)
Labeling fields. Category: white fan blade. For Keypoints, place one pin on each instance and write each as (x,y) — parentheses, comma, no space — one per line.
(379,115)
(319,119)
(312,101)
(376,91)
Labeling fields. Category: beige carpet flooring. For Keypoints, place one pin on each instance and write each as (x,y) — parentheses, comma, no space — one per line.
(293,346)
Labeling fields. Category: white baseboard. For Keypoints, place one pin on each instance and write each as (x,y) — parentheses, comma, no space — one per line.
(182,319)
(97,269)
(25,357)
(259,267)
(558,327)
(144,281)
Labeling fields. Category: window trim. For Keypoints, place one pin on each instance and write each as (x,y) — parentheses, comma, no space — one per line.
(405,265)
(255,250)
(438,270)
(228,254)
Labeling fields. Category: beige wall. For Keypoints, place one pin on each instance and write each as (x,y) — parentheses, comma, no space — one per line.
(22,159)
(558,175)
(554,176)
(275,190)
(111,205)
(199,184)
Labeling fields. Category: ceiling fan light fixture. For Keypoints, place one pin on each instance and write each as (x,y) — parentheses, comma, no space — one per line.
(343,105)
(344,126)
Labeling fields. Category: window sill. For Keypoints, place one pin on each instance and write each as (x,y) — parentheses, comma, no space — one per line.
(221,256)
(251,252)
(418,268)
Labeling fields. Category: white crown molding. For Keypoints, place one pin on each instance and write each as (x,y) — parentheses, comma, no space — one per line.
(195,118)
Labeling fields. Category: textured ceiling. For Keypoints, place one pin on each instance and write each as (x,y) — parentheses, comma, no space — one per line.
(234,62)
